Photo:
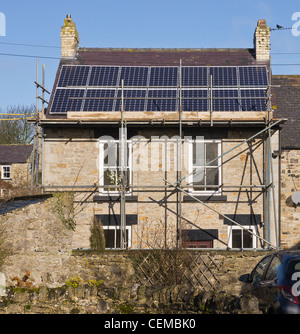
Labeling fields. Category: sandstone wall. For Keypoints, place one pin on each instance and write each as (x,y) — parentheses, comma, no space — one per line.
(107,283)
(71,158)
(290,213)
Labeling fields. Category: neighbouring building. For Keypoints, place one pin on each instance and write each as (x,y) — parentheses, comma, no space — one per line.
(166,147)
(15,168)
(286,95)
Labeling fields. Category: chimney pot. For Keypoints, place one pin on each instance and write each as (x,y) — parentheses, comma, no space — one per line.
(261,23)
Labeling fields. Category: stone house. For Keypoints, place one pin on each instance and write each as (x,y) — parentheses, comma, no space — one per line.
(15,168)
(286,94)
(165,147)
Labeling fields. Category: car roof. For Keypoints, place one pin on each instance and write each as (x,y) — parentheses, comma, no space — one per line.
(288,254)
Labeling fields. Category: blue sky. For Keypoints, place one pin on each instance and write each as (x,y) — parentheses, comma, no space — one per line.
(134,24)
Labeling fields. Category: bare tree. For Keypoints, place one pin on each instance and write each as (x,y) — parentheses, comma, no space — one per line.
(14,127)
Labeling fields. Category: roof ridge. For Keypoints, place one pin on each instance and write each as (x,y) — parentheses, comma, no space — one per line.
(163,49)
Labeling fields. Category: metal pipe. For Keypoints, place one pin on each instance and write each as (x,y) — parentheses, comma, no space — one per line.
(157,186)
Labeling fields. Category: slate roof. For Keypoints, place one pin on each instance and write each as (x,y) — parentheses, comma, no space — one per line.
(158,57)
(22,202)
(15,153)
(166,57)
(286,99)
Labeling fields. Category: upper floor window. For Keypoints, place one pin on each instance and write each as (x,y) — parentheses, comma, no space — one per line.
(5,172)
(115,162)
(205,166)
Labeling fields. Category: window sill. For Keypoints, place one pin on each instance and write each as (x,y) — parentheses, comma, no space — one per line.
(205,198)
(113,198)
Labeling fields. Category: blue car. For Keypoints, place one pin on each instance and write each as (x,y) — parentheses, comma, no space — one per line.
(275,281)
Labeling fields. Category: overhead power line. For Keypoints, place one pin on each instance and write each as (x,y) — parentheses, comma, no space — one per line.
(32,45)
(285,53)
(28,56)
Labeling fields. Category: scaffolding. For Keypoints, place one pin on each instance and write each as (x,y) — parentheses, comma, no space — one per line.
(36,165)
(267,188)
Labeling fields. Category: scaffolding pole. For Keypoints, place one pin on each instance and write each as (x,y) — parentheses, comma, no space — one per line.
(38,136)
(179,162)
(123,164)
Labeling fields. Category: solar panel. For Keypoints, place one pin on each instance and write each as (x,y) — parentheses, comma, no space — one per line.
(162,100)
(253,100)
(74,75)
(67,100)
(194,100)
(223,76)
(226,100)
(253,76)
(194,76)
(95,100)
(156,88)
(104,76)
(163,76)
(137,103)
(134,76)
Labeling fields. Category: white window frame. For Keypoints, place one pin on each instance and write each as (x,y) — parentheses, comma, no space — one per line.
(101,167)
(217,191)
(253,228)
(115,228)
(2,172)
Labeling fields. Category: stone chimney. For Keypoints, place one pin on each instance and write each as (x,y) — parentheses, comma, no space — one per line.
(69,38)
(262,41)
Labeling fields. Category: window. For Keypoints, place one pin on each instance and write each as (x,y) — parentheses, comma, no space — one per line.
(259,270)
(241,238)
(197,244)
(273,269)
(110,166)
(6,172)
(199,238)
(112,235)
(205,166)
(111,224)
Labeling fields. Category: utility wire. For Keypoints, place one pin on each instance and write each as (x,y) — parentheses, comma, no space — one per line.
(285,53)
(27,56)
(32,45)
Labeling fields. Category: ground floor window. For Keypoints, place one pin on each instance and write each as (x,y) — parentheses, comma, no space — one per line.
(242,237)
(112,235)
(202,238)
(198,244)
(111,225)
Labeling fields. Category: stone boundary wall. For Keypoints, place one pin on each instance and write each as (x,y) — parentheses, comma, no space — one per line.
(105,283)
(113,268)
(41,270)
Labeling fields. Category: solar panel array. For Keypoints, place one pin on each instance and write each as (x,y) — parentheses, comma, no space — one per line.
(158,88)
